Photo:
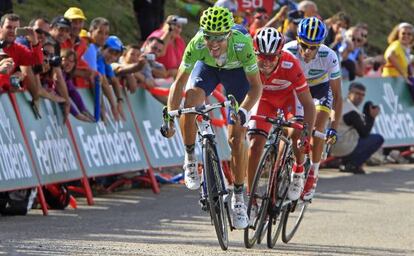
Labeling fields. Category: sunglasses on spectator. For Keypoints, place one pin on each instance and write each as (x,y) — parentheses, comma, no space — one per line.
(307,46)
(406,34)
(269,57)
(216,38)
(358,40)
(42,32)
(364,35)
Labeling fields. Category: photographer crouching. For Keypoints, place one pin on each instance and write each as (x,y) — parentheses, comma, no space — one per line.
(355,142)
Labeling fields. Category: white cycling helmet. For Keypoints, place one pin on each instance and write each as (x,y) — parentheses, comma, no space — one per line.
(268,41)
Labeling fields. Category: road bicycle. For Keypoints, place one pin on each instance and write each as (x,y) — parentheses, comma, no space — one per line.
(214,191)
(268,194)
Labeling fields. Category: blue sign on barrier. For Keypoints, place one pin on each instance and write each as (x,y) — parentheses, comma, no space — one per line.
(16,168)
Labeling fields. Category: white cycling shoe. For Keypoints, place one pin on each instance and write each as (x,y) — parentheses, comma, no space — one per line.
(191,177)
(296,186)
(239,212)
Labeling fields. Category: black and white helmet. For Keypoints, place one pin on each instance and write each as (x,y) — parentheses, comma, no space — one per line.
(268,41)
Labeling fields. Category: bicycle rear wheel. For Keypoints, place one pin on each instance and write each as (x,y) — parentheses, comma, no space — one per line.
(282,185)
(259,196)
(215,192)
(293,214)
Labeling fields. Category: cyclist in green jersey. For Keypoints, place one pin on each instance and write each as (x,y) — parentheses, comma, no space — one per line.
(218,54)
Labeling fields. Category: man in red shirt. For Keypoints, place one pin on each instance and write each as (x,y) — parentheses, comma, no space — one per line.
(172,52)
(285,88)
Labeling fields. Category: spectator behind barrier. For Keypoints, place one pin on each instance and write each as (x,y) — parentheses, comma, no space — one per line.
(309,8)
(294,17)
(260,18)
(355,142)
(84,76)
(129,66)
(398,51)
(6,68)
(99,32)
(352,54)
(42,28)
(68,66)
(337,26)
(174,44)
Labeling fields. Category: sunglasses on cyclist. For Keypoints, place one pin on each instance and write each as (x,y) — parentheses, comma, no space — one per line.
(215,38)
(269,57)
(307,46)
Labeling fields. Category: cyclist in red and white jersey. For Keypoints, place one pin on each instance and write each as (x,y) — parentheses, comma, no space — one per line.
(285,88)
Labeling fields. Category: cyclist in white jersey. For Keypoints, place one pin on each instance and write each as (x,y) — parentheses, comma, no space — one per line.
(323,74)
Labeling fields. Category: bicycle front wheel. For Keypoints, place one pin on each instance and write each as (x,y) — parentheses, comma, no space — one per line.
(215,192)
(282,185)
(259,197)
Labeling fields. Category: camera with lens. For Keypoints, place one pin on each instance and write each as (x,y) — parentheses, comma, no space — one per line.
(15,81)
(176,20)
(150,56)
(54,61)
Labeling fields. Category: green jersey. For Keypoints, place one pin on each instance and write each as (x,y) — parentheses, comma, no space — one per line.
(239,54)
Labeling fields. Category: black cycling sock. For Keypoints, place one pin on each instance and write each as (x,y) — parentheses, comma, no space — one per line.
(238,188)
(190,149)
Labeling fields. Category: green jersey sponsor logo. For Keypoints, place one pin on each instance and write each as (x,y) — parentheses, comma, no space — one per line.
(238,47)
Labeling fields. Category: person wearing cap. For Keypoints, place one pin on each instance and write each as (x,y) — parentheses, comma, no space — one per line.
(110,53)
(84,75)
(294,17)
(59,32)
(174,45)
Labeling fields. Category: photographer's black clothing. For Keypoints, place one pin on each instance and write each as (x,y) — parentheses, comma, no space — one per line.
(149,14)
(363,125)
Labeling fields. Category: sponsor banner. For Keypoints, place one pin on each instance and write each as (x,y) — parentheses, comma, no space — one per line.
(163,152)
(49,141)
(252,5)
(16,167)
(396,119)
(108,147)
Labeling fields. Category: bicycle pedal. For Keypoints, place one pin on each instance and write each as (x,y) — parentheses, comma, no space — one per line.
(204,204)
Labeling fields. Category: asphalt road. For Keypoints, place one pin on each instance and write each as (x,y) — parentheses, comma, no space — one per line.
(369,214)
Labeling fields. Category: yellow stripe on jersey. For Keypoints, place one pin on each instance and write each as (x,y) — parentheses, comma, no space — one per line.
(318,80)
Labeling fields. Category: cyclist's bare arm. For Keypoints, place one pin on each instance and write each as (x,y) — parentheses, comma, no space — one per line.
(176,90)
(254,93)
(337,101)
(305,98)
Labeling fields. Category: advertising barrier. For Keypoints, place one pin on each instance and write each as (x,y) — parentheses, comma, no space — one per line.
(49,141)
(108,147)
(16,168)
(395,121)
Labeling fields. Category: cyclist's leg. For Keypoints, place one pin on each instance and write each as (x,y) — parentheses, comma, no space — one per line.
(322,95)
(202,82)
(235,83)
(293,109)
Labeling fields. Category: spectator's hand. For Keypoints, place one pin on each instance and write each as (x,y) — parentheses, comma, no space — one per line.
(6,66)
(149,83)
(282,13)
(120,110)
(374,111)
(32,36)
(115,113)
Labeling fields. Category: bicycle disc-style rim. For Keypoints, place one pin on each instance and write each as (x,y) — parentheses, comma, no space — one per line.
(214,185)
(283,181)
(260,194)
